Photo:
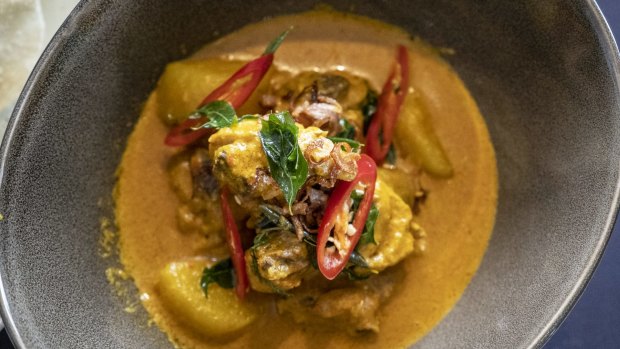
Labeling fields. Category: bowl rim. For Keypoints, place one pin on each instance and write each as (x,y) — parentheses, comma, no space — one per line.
(611,53)
(57,41)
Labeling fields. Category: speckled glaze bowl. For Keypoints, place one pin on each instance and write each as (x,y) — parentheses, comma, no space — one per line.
(545,75)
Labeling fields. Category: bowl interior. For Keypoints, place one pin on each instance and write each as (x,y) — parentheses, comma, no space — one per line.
(543,73)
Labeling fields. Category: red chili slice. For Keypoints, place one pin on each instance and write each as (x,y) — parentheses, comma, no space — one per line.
(381,128)
(229,91)
(234,245)
(185,134)
(331,261)
(237,95)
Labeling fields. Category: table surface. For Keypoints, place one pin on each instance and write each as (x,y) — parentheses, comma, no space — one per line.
(594,322)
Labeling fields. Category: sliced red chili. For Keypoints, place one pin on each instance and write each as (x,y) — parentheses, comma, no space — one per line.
(236,91)
(234,246)
(381,128)
(185,133)
(332,260)
(238,88)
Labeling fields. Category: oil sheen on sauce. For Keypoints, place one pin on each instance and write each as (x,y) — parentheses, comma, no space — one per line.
(458,215)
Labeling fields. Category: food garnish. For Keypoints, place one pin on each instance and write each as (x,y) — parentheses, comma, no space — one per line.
(218,114)
(235,248)
(221,273)
(381,127)
(368,235)
(236,90)
(287,164)
(338,236)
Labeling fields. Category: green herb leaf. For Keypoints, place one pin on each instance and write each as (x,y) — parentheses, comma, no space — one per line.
(368,235)
(287,165)
(356,196)
(221,273)
(369,107)
(348,130)
(353,143)
(273,46)
(220,114)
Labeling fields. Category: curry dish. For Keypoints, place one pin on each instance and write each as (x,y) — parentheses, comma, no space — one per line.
(336,187)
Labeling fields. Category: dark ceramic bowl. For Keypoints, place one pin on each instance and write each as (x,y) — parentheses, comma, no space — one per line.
(544,73)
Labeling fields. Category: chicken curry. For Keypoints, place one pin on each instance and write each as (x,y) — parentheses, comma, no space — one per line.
(336,189)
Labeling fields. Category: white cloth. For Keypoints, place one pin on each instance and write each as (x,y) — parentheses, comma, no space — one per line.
(26,26)
(21,39)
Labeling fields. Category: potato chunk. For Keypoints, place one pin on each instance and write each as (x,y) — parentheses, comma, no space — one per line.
(416,138)
(218,314)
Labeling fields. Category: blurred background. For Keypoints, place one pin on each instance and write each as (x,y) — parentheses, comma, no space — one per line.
(26,26)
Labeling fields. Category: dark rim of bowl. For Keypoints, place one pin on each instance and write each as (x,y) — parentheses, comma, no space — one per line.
(58,40)
(613,58)
(74,19)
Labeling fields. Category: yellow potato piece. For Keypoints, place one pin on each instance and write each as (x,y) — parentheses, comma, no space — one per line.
(416,138)
(218,314)
(401,179)
(184,84)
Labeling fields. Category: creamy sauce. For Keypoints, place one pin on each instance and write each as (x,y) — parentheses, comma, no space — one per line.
(458,215)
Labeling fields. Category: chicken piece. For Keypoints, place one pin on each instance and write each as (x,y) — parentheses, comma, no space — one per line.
(393,230)
(358,305)
(288,92)
(198,211)
(354,308)
(240,163)
(277,263)
(319,99)
(323,113)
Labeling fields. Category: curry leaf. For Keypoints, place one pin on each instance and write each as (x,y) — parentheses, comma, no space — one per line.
(368,235)
(220,114)
(221,273)
(287,165)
